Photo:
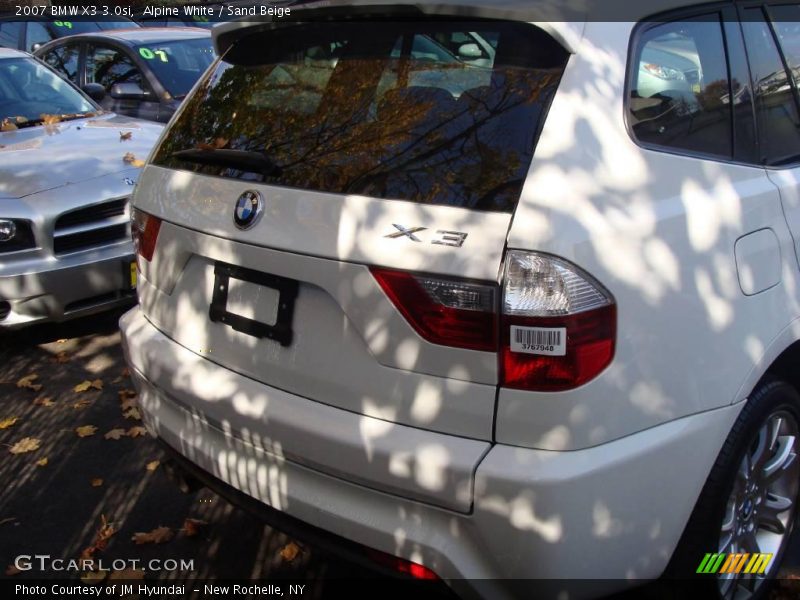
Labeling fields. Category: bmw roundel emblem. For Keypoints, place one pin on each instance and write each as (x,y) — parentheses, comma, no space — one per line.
(249,207)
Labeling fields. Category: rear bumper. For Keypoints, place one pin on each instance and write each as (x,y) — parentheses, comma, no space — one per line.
(612,514)
(342,549)
(67,287)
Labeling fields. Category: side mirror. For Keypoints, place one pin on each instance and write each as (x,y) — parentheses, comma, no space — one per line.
(95,91)
(128,91)
(470,51)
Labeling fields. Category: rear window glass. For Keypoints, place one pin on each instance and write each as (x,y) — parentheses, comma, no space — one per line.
(437,113)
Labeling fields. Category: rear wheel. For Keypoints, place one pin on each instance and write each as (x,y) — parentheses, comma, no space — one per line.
(748,505)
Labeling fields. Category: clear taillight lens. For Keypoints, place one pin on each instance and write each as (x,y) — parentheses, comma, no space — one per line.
(558,325)
(144,230)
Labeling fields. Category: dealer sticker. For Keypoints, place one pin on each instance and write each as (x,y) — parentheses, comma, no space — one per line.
(539,340)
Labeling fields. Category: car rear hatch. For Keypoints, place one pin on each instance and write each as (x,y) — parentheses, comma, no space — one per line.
(328,215)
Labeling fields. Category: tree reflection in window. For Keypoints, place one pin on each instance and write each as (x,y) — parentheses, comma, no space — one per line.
(384,111)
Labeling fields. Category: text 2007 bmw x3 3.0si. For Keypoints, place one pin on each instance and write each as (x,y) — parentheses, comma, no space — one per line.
(503,297)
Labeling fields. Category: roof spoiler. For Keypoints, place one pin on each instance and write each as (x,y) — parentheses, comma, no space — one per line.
(566,31)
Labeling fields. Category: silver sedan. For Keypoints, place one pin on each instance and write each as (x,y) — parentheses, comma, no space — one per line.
(67,170)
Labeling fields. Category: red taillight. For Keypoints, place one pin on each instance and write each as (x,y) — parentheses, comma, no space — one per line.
(401,565)
(589,339)
(444,311)
(144,229)
(559,326)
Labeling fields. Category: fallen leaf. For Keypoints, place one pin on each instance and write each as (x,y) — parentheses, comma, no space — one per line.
(82,387)
(27,383)
(125,135)
(93,577)
(130,158)
(132,413)
(50,119)
(100,540)
(7,125)
(137,431)
(126,575)
(290,551)
(80,404)
(126,393)
(62,341)
(11,570)
(21,120)
(97,482)
(61,357)
(159,535)
(47,401)
(6,423)
(42,462)
(130,404)
(86,431)
(115,434)
(25,445)
(191,527)
(153,465)
(27,380)
(105,532)
(123,375)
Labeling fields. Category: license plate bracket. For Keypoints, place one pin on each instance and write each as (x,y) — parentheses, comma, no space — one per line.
(281,331)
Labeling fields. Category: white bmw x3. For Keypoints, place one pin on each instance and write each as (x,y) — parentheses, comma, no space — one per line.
(504,298)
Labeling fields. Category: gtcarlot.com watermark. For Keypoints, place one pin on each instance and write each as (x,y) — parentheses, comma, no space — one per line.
(45,562)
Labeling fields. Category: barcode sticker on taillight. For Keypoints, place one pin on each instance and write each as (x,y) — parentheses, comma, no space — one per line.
(539,340)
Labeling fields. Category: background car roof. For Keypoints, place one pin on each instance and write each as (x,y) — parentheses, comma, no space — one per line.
(11,53)
(144,35)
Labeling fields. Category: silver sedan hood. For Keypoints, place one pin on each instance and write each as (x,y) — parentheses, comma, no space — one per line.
(45,157)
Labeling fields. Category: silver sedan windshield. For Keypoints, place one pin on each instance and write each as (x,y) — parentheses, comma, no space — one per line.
(30,93)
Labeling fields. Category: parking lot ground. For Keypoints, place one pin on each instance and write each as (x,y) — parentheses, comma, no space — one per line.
(69,489)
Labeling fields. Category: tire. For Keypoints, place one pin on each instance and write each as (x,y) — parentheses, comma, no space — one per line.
(756,474)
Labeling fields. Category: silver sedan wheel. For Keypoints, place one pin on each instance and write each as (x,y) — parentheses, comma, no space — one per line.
(762,504)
